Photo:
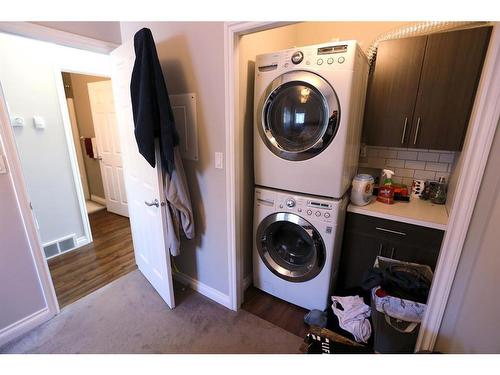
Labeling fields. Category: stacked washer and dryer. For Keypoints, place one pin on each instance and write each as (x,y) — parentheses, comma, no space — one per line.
(309,105)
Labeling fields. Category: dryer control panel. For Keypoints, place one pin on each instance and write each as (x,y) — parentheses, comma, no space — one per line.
(329,56)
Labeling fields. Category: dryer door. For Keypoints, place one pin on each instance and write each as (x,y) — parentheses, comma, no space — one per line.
(298,115)
(290,247)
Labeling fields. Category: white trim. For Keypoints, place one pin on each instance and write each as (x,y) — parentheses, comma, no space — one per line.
(81,241)
(98,199)
(24,325)
(482,127)
(47,34)
(234,173)
(73,160)
(23,201)
(204,289)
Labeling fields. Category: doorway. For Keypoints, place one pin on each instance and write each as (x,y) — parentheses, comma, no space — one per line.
(84,248)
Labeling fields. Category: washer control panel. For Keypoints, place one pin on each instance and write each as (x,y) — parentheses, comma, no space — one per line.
(307,208)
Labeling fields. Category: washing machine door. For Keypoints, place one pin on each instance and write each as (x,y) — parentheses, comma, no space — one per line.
(298,115)
(290,247)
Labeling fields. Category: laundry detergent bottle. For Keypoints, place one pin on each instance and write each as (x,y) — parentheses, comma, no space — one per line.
(386,191)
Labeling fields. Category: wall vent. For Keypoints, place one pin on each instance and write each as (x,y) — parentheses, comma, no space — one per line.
(59,246)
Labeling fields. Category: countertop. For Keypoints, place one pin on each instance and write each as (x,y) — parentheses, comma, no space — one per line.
(417,212)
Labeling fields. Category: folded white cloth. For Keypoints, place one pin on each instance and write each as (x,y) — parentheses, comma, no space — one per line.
(353,313)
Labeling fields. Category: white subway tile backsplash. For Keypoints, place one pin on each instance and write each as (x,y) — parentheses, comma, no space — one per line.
(408,181)
(376,162)
(402,172)
(409,163)
(438,167)
(412,164)
(428,156)
(407,155)
(424,175)
(388,154)
(397,180)
(446,158)
(371,152)
(395,163)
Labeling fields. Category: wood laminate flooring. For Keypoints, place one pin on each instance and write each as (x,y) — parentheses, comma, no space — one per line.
(84,270)
(276,311)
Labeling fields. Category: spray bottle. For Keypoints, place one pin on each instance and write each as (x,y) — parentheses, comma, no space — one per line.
(386,191)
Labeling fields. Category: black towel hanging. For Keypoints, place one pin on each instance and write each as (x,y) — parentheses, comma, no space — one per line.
(153,116)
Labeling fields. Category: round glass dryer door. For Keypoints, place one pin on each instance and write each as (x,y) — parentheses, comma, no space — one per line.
(299,115)
(290,247)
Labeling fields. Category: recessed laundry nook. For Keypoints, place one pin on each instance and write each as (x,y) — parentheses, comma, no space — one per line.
(249,187)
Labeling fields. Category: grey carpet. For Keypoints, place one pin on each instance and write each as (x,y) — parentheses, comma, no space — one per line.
(128,316)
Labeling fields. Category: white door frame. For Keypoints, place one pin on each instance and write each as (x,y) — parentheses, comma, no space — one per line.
(482,126)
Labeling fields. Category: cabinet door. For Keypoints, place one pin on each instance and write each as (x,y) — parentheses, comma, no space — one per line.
(450,74)
(408,252)
(392,91)
(359,252)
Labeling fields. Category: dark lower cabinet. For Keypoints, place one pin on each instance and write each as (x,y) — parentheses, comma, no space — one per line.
(366,237)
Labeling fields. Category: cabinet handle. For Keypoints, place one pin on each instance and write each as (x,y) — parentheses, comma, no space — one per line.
(380,247)
(416,131)
(404,131)
(390,231)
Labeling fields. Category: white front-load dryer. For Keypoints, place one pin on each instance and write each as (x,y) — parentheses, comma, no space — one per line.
(308,111)
(297,243)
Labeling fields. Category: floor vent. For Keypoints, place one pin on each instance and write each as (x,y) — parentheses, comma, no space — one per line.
(59,246)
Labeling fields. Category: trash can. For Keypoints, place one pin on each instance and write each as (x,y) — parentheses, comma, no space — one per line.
(396,320)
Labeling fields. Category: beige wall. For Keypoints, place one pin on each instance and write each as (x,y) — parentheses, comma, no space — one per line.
(363,32)
(86,127)
(192,57)
(471,321)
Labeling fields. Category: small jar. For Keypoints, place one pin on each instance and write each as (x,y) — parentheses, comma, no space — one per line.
(362,189)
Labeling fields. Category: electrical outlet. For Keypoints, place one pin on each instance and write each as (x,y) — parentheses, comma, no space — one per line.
(362,151)
(219,160)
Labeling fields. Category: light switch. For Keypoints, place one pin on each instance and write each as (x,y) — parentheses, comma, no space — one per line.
(3,166)
(17,121)
(219,161)
(39,122)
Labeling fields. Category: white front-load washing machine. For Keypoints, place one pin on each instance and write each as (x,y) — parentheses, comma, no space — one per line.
(297,243)
(308,112)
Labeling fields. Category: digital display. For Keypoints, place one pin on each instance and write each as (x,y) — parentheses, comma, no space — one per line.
(332,49)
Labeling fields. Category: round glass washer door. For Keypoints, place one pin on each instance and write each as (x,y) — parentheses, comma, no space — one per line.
(298,115)
(290,247)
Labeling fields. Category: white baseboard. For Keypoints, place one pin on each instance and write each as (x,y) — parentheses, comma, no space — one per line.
(24,325)
(80,241)
(204,289)
(98,199)
(247,281)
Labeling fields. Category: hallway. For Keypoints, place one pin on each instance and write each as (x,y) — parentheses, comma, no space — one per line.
(84,270)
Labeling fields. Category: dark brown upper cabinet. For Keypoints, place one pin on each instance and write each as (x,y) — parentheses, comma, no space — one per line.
(422,89)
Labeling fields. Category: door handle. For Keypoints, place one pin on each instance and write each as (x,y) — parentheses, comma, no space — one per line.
(153,203)
(416,131)
(391,231)
(404,131)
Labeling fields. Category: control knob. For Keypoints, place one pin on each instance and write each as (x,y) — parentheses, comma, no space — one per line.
(297,57)
(290,202)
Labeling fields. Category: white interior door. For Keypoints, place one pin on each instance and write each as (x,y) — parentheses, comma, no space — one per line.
(144,185)
(108,146)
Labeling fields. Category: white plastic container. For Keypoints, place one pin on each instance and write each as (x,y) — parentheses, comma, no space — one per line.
(362,189)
